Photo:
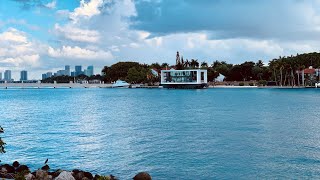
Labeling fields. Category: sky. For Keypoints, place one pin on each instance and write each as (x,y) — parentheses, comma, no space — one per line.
(44,35)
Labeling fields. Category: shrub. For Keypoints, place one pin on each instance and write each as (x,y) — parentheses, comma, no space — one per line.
(104,178)
(241,84)
(262,82)
(251,84)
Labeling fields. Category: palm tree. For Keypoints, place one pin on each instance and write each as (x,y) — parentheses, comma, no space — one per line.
(187,63)
(193,63)
(259,63)
(164,65)
(204,64)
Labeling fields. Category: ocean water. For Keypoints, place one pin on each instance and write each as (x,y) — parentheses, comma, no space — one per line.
(172,134)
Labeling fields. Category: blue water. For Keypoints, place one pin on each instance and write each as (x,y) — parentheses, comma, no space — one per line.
(172,134)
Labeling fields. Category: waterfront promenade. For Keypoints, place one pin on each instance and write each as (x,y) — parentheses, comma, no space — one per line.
(53,85)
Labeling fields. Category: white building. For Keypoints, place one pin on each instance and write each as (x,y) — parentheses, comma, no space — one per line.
(184,79)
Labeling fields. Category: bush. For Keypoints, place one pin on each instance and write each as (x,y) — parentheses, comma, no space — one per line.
(262,82)
(251,84)
(241,84)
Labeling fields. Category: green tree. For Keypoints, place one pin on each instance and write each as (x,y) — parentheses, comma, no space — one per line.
(137,75)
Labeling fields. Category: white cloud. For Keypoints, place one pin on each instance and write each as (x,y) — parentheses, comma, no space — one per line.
(51,5)
(79,53)
(18,52)
(86,10)
(77,34)
(13,35)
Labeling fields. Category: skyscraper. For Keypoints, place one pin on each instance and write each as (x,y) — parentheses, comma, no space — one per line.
(7,75)
(0,76)
(78,70)
(90,71)
(67,70)
(49,74)
(44,76)
(23,75)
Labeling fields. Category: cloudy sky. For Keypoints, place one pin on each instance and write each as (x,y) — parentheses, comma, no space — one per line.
(45,35)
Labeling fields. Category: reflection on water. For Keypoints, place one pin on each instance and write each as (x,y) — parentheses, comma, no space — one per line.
(184,134)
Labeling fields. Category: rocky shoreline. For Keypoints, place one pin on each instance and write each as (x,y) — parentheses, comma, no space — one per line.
(22,172)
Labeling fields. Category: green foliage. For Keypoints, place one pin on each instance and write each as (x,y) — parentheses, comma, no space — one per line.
(20,175)
(119,70)
(137,75)
(2,144)
(251,84)
(262,82)
(241,84)
(104,178)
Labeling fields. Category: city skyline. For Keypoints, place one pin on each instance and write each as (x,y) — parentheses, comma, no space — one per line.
(22,75)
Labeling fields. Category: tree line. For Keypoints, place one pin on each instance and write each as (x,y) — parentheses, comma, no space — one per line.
(283,70)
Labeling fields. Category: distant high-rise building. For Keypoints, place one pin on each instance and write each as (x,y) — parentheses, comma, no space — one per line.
(7,75)
(44,76)
(49,74)
(90,71)
(73,74)
(78,70)
(61,73)
(23,75)
(0,75)
(67,70)
(85,72)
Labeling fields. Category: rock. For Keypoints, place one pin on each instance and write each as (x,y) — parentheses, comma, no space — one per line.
(16,164)
(64,175)
(75,171)
(22,168)
(96,177)
(45,168)
(41,174)
(29,176)
(112,177)
(142,176)
(6,168)
(55,174)
(88,175)
(79,175)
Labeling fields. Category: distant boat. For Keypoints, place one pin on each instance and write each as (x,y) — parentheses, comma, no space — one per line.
(120,84)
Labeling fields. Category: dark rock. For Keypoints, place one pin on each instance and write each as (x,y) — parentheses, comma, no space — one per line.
(16,164)
(142,176)
(22,168)
(79,175)
(6,168)
(56,173)
(112,177)
(88,175)
(45,168)
(75,171)
(96,177)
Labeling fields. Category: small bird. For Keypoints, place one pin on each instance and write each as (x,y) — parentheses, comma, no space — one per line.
(46,161)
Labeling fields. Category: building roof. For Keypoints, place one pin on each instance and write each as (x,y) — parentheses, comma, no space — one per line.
(309,71)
